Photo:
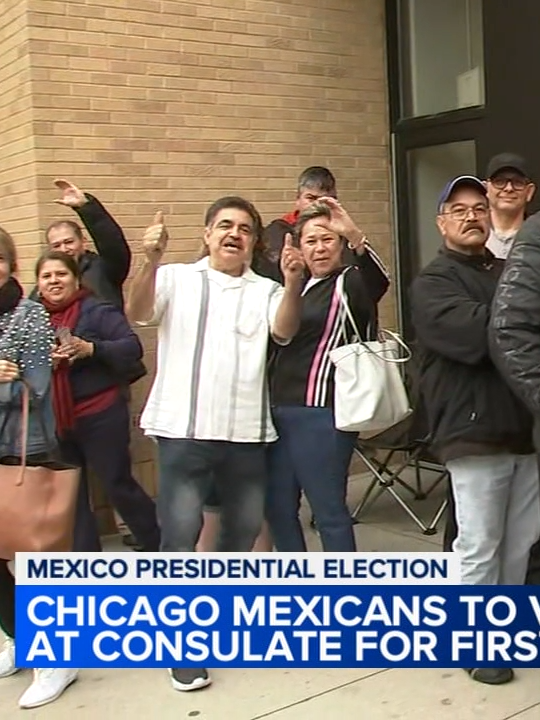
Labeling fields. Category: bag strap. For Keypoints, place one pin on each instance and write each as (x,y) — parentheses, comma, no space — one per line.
(344,302)
(24,431)
(400,342)
(49,442)
(24,427)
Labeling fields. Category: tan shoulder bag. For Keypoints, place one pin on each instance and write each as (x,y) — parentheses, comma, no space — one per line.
(37,504)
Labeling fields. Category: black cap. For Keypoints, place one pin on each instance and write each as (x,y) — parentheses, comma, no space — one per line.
(460,181)
(507,161)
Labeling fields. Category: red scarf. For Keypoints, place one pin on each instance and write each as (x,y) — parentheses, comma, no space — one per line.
(291,217)
(64,314)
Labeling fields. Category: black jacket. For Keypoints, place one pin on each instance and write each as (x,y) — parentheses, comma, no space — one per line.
(515,321)
(467,401)
(373,271)
(104,272)
(302,372)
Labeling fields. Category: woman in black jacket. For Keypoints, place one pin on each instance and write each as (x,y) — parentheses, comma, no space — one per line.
(311,455)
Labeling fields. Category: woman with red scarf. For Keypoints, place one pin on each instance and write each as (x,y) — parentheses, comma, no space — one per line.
(96,354)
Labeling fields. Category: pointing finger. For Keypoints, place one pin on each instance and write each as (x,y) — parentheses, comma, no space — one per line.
(158,218)
(288,241)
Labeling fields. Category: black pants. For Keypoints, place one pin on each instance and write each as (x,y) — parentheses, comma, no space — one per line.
(100,442)
(7,600)
(450,534)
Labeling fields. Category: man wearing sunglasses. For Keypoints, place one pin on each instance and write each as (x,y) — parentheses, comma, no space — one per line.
(510,189)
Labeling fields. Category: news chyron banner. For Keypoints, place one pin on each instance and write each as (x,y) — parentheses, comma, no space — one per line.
(375,610)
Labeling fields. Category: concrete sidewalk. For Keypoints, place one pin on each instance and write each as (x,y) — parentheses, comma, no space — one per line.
(298,694)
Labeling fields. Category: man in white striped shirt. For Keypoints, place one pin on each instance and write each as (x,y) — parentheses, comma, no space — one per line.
(208,408)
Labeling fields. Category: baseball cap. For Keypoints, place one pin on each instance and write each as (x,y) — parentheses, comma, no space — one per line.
(507,161)
(460,181)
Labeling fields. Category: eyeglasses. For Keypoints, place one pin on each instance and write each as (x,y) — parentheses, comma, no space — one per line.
(517,183)
(461,212)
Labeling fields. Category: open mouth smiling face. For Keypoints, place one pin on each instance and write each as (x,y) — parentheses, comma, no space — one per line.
(232,244)
(230,239)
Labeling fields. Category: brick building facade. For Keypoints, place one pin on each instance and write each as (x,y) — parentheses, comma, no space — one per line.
(168,104)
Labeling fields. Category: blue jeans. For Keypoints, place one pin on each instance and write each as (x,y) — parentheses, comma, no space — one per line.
(310,456)
(189,471)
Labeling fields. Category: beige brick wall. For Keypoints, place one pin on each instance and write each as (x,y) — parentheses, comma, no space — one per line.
(18,196)
(168,104)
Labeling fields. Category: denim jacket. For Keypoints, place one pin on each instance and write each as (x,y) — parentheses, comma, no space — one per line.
(27,338)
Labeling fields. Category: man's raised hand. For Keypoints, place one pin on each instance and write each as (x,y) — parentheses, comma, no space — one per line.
(70,195)
(155,238)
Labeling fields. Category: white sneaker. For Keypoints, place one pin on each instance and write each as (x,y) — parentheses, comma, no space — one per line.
(7,659)
(186,679)
(47,687)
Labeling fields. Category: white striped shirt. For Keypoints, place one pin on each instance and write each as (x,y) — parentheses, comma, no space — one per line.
(213,339)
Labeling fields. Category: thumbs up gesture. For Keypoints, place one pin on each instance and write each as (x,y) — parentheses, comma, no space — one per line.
(155,238)
(292,262)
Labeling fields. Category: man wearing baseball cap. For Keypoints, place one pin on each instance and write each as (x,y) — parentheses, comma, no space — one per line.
(509,190)
(479,429)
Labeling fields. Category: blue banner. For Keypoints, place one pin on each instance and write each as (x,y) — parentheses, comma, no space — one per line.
(338,625)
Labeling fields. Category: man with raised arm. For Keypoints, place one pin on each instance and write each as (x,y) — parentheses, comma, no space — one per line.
(208,409)
(106,270)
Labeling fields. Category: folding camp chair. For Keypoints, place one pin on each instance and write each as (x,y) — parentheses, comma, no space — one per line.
(381,455)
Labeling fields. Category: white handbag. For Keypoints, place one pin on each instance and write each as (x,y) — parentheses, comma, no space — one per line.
(370,395)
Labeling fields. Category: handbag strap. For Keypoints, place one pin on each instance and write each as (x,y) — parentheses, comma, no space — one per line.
(399,341)
(24,431)
(344,302)
(49,442)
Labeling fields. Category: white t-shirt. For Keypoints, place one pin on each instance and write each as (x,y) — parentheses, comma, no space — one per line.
(213,339)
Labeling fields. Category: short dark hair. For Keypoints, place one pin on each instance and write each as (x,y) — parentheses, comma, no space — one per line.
(8,250)
(260,251)
(239,203)
(317,177)
(316,210)
(77,229)
(68,260)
